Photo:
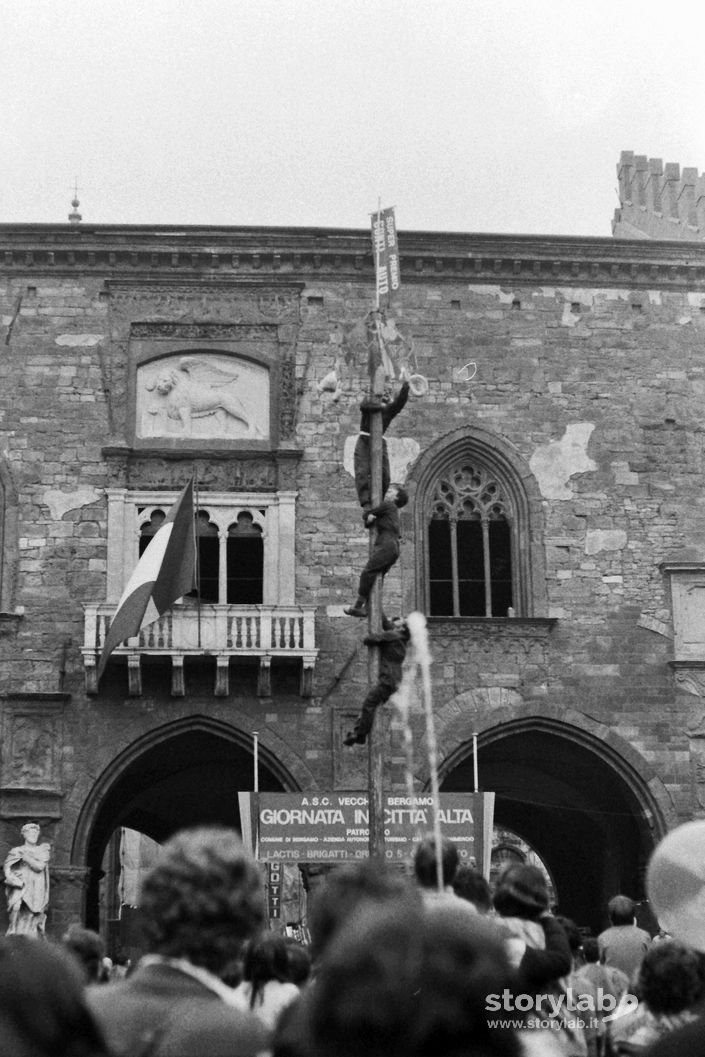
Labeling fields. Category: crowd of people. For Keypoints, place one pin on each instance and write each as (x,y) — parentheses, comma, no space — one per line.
(432,963)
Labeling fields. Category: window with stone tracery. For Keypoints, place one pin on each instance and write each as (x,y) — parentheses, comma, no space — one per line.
(469,537)
(230,563)
(245,543)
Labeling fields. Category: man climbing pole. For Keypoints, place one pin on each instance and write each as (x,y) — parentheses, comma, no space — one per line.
(385,548)
(392,642)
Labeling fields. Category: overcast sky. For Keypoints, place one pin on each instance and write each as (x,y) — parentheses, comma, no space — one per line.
(467,115)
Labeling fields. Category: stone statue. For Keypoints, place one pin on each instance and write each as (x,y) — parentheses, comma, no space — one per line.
(27,883)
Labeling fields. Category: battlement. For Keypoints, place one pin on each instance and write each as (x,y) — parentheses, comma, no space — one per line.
(658,201)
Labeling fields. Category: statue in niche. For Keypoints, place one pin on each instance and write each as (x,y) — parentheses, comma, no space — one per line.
(27,884)
(195,389)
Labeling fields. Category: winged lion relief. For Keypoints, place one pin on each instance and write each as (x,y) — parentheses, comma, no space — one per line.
(203,396)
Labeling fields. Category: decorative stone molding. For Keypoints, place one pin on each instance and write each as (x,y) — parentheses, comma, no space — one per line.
(130,257)
(31,754)
(687,583)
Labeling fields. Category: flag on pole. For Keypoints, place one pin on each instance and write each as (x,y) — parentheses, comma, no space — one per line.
(386,254)
(164,573)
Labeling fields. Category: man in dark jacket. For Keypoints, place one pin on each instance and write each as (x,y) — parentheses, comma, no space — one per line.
(385,551)
(392,642)
(361,457)
(200,902)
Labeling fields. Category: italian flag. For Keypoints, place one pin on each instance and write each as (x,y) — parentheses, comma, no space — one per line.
(164,573)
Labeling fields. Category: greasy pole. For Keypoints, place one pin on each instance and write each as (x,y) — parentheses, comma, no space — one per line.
(375,796)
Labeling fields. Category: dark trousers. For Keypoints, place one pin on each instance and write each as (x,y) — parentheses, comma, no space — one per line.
(363,472)
(383,557)
(379,693)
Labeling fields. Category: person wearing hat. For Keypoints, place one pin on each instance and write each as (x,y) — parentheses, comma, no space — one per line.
(538,948)
(536,943)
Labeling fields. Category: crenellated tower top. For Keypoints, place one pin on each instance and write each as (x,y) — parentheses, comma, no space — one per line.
(658,201)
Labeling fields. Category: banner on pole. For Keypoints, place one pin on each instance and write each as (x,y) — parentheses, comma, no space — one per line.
(385,250)
(334,827)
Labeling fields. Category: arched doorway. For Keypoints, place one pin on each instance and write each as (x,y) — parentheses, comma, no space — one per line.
(584,808)
(186,774)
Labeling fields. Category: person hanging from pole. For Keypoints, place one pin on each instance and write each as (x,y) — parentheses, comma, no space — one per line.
(392,642)
(385,550)
(390,407)
(386,404)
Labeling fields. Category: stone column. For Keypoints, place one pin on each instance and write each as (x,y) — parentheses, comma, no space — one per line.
(67,898)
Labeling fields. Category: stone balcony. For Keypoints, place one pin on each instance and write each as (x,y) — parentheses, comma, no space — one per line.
(221,631)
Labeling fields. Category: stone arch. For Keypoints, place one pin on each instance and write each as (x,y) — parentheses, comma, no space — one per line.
(518,484)
(583,797)
(181,774)
(275,756)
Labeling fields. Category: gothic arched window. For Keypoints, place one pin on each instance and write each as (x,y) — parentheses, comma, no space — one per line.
(478,524)
(470,544)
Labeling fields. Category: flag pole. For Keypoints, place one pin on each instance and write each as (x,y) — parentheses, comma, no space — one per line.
(375,795)
(198,554)
(474,761)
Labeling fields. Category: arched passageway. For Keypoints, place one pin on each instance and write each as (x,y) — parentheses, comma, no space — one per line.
(585,810)
(181,777)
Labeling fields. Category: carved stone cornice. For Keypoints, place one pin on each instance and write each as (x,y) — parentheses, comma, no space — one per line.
(223,258)
(202,331)
(218,469)
(210,302)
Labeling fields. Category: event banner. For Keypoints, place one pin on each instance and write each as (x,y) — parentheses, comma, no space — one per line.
(329,827)
(386,254)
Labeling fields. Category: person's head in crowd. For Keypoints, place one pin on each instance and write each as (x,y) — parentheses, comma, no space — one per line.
(591,949)
(347,887)
(575,940)
(405,982)
(202,899)
(299,962)
(671,977)
(42,1007)
(266,959)
(469,884)
(426,859)
(521,892)
(620,910)
(88,949)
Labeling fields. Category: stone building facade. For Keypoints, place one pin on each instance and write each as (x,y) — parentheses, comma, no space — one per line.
(554,537)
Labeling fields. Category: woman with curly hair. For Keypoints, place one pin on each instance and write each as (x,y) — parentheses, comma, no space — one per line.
(201,902)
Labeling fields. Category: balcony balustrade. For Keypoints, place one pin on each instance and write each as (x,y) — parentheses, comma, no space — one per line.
(220,631)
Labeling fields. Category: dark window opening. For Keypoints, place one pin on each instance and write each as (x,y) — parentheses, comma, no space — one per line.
(150,529)
(245,556)
(208,558)
(469,546)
